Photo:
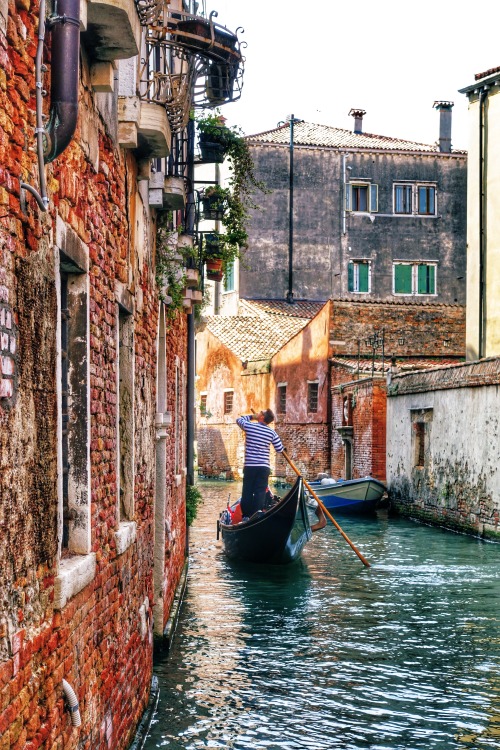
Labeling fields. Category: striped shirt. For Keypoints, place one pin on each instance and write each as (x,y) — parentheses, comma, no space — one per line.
(258,441)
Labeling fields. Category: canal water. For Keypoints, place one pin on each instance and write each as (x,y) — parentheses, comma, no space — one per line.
(327,653)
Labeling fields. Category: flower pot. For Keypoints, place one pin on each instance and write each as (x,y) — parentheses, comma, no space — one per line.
(192,277)
(215,275)
(212,208)
(211,152)
(214,264)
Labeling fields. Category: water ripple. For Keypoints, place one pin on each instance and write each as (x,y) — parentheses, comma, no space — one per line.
(328,654)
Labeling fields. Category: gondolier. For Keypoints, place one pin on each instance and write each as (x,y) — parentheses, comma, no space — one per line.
(257,466)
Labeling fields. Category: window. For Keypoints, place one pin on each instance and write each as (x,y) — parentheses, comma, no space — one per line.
(359,276)
(281,400)
(414,278)
(361,197)
(125,404)
(421,424)
(229,278)
(415,199)
(74,407)
(426,200)
(228,402)
(312,397)
(203,404)
(403,203)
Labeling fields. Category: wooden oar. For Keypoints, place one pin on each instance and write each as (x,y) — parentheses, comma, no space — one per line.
(356,550)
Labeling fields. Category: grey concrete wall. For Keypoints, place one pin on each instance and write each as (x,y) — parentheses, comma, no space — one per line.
(321,249)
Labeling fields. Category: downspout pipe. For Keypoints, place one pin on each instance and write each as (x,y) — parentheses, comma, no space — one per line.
(482,226)
(191,363)
(72,703)
(65,48)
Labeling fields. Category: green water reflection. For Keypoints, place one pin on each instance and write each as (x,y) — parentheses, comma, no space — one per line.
(329,654)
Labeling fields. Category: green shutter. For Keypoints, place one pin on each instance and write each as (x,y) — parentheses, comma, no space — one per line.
(373,198)
(350,277)
(426,279)
(363,277)
(402,279)
(347,188)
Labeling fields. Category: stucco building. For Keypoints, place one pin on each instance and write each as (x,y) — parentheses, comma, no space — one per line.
(373,217)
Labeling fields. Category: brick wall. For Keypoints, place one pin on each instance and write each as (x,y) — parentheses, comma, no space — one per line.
(100,638)
(411,330)
(368,398)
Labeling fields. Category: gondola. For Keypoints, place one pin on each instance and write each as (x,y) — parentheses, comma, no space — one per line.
(275,536)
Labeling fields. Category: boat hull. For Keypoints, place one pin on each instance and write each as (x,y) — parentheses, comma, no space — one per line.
(276,536)
(350,496)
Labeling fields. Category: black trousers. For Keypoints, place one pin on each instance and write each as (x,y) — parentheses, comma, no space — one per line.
(255,481)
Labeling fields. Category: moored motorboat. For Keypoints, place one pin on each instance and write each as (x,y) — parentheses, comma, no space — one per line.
(276,535)
(349,495)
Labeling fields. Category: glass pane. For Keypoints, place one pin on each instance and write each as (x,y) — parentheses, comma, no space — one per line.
(426,275)
(350,277)
(363,199)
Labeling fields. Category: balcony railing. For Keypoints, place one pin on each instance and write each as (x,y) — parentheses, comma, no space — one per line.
(189,61)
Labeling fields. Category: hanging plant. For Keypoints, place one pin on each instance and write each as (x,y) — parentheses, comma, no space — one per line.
(238,198)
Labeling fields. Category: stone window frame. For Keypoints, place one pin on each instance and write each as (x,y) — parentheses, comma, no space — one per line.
(77,568)
(125,427)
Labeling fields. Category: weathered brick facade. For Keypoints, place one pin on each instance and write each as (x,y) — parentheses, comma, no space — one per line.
(80,582)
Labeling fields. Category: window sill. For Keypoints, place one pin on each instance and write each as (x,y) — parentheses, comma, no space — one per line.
(74,574)
(125,536)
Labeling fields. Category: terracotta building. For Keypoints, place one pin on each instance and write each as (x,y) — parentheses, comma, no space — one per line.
(271,354)
(97,352)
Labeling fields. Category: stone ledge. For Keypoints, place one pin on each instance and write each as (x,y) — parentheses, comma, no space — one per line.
(125,536)
(74,574)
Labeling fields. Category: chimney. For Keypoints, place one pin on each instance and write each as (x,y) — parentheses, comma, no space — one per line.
(444,109)
(358,119)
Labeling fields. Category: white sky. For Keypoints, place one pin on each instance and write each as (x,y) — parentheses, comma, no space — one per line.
(318,60)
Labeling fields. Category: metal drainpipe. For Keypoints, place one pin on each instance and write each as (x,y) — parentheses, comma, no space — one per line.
(482,226)
(65,48)
(289,296)
(191,363)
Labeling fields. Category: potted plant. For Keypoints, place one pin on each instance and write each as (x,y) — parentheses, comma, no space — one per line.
(215,200)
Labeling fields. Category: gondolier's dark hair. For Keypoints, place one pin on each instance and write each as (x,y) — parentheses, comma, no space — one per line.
(268,416)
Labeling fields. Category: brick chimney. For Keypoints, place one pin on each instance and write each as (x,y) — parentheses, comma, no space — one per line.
(358,119)
(444,109)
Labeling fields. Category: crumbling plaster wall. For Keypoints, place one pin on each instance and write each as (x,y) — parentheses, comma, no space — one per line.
(459,483)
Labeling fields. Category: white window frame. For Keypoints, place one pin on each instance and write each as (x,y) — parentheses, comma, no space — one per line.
(356,262)
(414,277)
(372,196)
(415,186)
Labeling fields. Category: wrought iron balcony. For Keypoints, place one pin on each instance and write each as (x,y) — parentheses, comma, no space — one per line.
(188,61)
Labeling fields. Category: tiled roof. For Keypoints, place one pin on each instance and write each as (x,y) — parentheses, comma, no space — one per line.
(251,340)
(309,134)
(489,72)
(403,365)
(299,308)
